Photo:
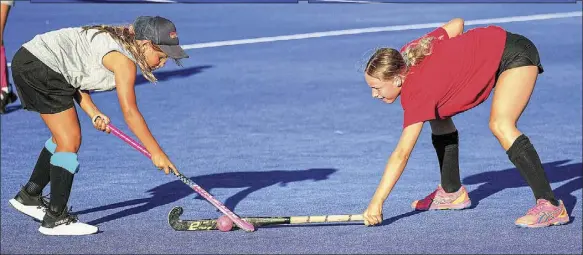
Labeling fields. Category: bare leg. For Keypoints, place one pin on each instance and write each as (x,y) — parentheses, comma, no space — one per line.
(66,132)
(512,94)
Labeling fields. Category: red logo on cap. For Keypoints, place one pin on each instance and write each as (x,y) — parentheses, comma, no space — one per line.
(173,35)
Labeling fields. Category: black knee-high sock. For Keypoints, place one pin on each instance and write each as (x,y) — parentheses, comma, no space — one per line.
(526,159)
(64,165)
(40,176)
(61,183)
(447,150)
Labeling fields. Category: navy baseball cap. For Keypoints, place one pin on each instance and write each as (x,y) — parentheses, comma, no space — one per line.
(162,33)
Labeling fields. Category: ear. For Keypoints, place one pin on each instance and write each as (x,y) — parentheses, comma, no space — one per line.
(131,28)
(398,81)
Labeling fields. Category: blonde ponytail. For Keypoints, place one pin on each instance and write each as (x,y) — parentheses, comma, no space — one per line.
(390,64)
(415,53)
(124,37)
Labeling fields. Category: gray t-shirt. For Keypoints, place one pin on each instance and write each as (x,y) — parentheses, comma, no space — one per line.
(73,53)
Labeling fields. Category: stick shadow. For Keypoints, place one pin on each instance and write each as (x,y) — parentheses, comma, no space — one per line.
(176,190)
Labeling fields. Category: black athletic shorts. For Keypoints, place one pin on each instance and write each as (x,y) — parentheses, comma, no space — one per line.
(518,51)
(39,87)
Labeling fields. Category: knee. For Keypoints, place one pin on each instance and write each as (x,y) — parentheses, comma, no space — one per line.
(501,128)
(68,143)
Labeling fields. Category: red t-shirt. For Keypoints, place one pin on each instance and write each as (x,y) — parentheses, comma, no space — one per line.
(458,75)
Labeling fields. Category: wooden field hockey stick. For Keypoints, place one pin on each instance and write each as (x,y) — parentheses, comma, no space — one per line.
(211,224)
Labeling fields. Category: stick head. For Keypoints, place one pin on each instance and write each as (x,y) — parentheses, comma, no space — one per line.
(174,214)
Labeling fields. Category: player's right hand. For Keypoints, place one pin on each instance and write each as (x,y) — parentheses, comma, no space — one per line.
(162,162)
(373,215)
(100,122)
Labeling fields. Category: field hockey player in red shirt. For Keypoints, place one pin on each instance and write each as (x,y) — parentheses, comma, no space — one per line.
(447,72)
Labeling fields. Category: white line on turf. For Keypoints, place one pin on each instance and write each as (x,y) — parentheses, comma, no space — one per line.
(161,1)
(379,29)
(345,1)
(510,19)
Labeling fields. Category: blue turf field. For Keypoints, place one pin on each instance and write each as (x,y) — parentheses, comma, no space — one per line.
(290,128)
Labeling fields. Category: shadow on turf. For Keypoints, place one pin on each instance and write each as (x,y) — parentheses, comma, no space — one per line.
(556,171)
(168,75)
(176,190)
(495,181)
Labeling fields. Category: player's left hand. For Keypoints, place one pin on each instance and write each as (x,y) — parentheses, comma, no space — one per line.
(373,215)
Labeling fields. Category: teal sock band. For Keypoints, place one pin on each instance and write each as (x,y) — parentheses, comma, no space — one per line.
(67,160)
(51,146)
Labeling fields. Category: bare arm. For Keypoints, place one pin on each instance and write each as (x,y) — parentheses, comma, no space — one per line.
(454,27)
(84,100)
(125,76)
(397,162)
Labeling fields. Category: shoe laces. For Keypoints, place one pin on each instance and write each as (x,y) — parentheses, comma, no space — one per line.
(432,195)
(68,217)
(539,207)
(44,202)
(440,196)
(71,218)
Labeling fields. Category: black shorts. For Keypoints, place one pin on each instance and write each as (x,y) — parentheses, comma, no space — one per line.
(39,87)
(518,51)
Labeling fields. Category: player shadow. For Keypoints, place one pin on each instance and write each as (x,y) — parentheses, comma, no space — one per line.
(495,181)
(168,75)
(176,190)
(556,171)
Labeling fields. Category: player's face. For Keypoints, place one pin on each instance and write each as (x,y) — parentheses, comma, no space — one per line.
(155,57)
(383,90)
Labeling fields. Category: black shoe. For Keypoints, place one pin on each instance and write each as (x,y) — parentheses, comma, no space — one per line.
(65,224)
(52,220)
(26,199)
(33,206)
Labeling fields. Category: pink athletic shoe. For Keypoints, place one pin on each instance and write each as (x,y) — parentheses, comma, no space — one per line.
(544,214)
(440,200)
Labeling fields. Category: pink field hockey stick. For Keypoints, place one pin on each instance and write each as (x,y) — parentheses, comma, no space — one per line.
(236,219)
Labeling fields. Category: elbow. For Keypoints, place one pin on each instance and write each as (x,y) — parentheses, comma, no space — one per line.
(402,154)
(458,23)
(454,27)
(130,114)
